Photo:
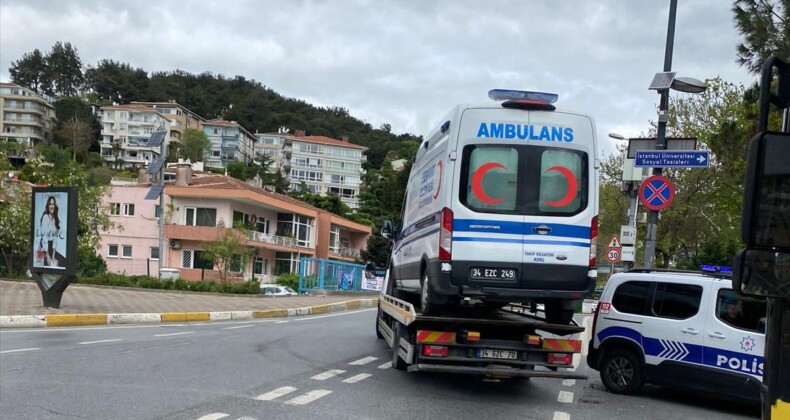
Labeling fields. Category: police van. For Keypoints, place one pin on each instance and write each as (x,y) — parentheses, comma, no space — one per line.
(502,206)
(682,329)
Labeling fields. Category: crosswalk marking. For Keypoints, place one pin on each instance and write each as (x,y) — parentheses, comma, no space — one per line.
(214,416)
(356,378)
(309,397)
(363,361)
(559,415)
(277,393)
(385,365)
(328,374)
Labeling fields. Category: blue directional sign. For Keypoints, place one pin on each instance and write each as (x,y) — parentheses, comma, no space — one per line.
(672,159)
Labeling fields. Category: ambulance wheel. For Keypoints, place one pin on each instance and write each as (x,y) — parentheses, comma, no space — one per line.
(431,303)
(621,372)
(556,314)
(397,362)
(378,317)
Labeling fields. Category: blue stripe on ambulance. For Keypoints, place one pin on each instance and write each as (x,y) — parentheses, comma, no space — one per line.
(520,228)
(519,241)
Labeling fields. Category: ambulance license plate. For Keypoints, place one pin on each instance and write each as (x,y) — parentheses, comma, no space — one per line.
(497,354)
(482,273)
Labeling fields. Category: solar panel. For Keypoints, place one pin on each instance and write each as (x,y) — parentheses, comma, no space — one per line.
(154,192)
(662,80)
(155,166)
(156,139)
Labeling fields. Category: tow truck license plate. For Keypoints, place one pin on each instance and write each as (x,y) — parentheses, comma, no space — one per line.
(497,354)
(482,273)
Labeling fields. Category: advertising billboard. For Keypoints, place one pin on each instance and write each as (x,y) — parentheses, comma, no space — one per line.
(54,230)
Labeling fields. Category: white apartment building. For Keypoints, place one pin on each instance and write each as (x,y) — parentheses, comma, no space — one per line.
(25,116)
(125,131)
(229,142)
(324,164)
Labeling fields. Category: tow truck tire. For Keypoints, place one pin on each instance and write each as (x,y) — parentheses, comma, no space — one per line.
(431,303)
(556,314)
(621,372)
(397,362)
(378,317)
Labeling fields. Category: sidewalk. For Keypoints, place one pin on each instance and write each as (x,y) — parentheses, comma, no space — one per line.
(21,301)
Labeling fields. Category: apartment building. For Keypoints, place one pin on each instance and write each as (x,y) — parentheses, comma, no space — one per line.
(180,116)
(25,116)
(229,142)
(200,208)
(325,165)
(125,131)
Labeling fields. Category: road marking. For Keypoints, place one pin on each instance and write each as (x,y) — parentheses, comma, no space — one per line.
(121,327)
(100,341)
(569,382)
(363,361)
(281,322)
(328,374)
(309,397)
(565,397)
(356,378)
(328,316)
(237,327)
(277,393)
(385,365)
(246,418)
(559,415)
(214,416)
(172,334)
(19,350)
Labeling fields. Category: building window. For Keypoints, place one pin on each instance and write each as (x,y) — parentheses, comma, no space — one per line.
(216,131)
(157,211)
(260,266)
(334,239)
(237,264)
(127,251)
(115,209)
(285,263)
(128,209)
(154,254)
(195,259)
(112,250)
(199,216)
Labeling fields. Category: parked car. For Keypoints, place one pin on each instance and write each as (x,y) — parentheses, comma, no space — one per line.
(277,290)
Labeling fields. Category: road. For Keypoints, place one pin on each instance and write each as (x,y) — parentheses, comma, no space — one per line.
(328,367)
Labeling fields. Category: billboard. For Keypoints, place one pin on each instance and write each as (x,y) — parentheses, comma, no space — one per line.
(54,230)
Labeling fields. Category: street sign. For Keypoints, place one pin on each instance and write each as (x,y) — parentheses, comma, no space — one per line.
(613,255)
(656,193)
(614,242)
(672,158)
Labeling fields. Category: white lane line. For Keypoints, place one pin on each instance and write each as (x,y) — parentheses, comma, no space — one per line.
(332,315)
(281,322)
(246,418)
(100,341)
(172,334)
(328,374)
(565,397)
(19,350)
(559,415)
(385,365)
(569,382)
(277,393)
(309,397)
(363,361)
(237,327)
(356,378)
(214,416)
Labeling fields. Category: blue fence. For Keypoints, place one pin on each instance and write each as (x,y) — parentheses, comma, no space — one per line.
(315,273)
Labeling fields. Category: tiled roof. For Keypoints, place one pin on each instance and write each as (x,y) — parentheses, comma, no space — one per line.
(328,140)
(230,183)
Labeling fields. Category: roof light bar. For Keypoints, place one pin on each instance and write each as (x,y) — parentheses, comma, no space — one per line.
(507,94)
(708,268)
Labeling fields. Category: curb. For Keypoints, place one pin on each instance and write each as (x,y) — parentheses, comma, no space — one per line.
(70,320)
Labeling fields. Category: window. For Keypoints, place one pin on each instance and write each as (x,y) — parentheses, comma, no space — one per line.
(559,171)
(112,250)
(677,301)
(491,175)
(201,216)
(237,264)
(260,266)
(127,251)
(195,259)
(285,263)
(216,131)
(122,127)
(631,297)
(128,209)
(334,239)
(115,209)
(157,211)
(742,312)
(154,254)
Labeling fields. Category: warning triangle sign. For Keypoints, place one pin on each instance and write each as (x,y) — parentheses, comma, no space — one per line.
(614,242)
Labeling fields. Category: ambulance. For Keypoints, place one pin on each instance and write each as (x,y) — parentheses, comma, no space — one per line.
(501,207)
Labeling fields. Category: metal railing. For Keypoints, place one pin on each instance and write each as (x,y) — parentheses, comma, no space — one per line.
(315,273)
(271,239)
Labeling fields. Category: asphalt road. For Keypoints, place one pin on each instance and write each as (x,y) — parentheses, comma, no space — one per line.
(328,367)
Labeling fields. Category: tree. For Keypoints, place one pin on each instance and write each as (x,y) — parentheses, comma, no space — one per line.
(116,82)
(66,109)
(194,143)
(64,69)
(77,134)
(765,25)
(228,252)
(15,228)
(31,72)
(116,152)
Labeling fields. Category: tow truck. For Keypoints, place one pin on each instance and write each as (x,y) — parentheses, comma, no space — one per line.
(510,342)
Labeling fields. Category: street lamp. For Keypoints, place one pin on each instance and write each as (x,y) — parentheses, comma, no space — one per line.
(631,191)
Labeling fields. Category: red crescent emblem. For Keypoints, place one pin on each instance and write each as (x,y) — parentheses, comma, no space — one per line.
(477,183)
(570,194)
(439,188)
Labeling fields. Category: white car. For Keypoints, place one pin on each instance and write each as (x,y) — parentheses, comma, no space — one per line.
(277,290)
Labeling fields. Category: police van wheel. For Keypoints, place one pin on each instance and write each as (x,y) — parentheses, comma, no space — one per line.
(378,317)
(621,372)
(430,303)
(397,362)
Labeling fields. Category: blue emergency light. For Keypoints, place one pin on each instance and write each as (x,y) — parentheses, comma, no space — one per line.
(708,268)
(508,94)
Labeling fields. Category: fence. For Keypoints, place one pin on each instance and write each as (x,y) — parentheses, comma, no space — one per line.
(315,273)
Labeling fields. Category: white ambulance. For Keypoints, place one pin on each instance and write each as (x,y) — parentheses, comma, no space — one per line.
(502,206)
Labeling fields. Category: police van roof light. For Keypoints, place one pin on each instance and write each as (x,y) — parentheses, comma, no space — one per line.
(708,268)
(507,94)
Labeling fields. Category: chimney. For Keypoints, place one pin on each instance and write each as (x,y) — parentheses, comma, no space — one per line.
(299,133)
(345,139)
(183,174)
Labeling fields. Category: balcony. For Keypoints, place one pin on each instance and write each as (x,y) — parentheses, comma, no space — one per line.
(209,233)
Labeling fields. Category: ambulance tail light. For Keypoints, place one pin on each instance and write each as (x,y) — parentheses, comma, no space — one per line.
(565,359)
(435,351)
(446,235)
(593,241)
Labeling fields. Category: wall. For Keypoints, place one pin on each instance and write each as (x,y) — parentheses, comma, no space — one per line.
(140,231)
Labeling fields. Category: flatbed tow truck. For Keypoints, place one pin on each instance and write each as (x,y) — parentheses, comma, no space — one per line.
(511,342)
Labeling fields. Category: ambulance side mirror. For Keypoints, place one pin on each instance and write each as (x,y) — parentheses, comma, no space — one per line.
(387,230)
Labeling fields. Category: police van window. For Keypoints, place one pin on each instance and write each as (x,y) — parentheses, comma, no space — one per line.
(677,301)
(560,189)
(492,179)
(631,297)
(742,312)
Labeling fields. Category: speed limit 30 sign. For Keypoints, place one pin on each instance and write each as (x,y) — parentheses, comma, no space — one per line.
(613,255)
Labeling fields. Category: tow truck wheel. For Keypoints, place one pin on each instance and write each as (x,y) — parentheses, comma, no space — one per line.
(556,314)
(430,302)
(621,372)
(378,317)
(397,362)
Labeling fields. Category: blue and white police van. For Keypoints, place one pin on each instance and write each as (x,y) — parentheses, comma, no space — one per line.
(677,328)
(502,206)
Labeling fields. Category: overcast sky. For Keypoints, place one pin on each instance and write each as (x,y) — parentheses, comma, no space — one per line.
(405,62)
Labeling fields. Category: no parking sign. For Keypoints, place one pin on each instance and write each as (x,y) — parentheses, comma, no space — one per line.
(656,193)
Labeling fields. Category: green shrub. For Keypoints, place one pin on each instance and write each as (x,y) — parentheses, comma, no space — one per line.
(202,286)
(289,279)
(181,284)
(89,264)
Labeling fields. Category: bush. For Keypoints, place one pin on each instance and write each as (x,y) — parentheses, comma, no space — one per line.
(146,282)
(289,279)
(89,264)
